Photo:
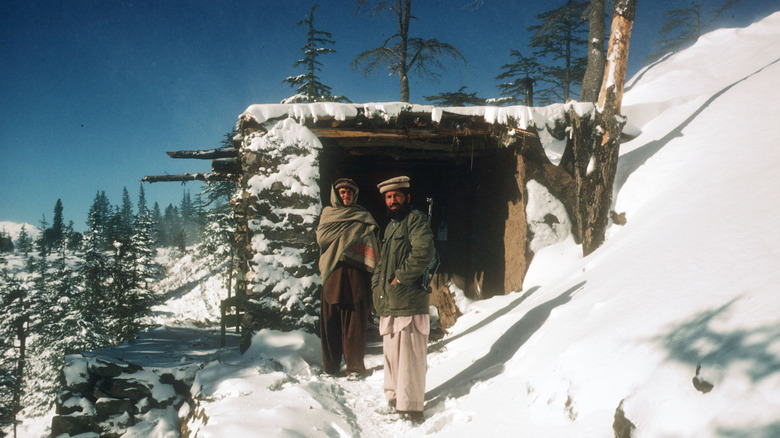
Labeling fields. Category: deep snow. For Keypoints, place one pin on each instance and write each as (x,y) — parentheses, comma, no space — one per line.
(689,282)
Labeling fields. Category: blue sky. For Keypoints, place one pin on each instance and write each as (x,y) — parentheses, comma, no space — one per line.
(92,93)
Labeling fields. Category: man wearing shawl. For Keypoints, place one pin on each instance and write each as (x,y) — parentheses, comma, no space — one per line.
(349,252)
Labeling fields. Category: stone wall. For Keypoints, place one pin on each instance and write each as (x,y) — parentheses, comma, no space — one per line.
(105,396)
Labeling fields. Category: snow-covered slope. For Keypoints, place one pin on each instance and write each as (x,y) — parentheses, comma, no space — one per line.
(683,296)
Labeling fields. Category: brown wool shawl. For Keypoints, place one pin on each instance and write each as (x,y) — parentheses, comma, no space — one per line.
(346,234)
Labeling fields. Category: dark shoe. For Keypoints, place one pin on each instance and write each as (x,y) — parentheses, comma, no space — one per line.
(414,417)
(355,375)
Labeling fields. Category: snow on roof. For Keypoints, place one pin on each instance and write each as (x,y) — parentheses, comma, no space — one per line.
(521,116)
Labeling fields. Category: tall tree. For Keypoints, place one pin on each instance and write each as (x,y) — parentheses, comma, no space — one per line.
(13,344)
(521,75)
(591,82)
(683,27)
(308,86)
(156,219)
(126,217)
(57,225)
(146,266)
(596,148)
(142,207)
(100,211)
(403,55)
(24,243)
(42,242)
(93,270)
(559,44)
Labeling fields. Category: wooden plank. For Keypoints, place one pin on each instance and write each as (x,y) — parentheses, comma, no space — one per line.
(190,177)
(207,154)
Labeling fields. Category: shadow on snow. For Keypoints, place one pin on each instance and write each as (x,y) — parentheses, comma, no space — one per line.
(492,364)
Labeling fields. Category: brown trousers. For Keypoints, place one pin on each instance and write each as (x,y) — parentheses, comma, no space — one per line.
(344,319)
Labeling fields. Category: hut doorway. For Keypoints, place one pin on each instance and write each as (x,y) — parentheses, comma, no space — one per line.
(471,197)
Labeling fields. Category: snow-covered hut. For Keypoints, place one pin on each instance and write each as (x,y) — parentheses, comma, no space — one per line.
(476,164)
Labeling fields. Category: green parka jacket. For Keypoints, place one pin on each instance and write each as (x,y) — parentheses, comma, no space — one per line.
(407,248)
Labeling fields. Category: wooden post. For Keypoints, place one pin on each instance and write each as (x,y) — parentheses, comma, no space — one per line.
(516,232)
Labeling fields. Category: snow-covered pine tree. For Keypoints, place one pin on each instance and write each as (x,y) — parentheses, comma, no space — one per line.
(93,270)
(13,344)
(146,266)
(38,384)
(559,44)
(125,298)
(308,86)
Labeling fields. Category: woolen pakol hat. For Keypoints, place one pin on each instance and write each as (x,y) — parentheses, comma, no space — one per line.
(345,182)
(399,182)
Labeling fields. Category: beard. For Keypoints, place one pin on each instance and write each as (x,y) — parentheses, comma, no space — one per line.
(399,213)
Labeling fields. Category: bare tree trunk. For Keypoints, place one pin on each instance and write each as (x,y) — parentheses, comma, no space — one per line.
(404,14)
(591,82)
(595,166)
(21,334)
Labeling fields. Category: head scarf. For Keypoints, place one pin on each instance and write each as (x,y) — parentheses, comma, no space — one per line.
(346,234)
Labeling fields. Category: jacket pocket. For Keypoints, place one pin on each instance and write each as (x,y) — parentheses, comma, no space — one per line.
(398,297)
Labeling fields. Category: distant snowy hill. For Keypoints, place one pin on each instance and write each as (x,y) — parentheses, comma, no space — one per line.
(14,229)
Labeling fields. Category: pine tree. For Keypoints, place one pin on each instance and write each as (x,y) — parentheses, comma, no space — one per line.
(559,44)
(146,266)
(6,242)
(308,86)
(521,74)
(170,226)
(57,225)
(13,345)
(100,211)
(93,270)
(100,217)
(142,207)
(156,219)
(42,242)
(24,243)
(457,98)
(684,26)
(403,55)
(126,218)
(74,238)
(187,217)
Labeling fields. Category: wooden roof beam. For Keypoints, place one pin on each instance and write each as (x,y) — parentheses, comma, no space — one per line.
(191,177)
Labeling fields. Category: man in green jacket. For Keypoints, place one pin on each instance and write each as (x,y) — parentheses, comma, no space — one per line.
(401,302)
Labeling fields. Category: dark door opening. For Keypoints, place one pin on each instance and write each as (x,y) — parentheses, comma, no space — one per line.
(469,206)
